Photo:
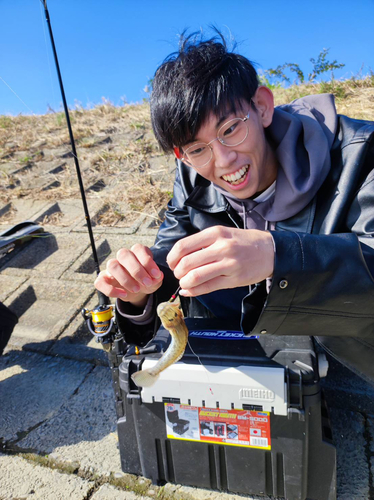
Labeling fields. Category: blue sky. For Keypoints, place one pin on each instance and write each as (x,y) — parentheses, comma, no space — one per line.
(111,49)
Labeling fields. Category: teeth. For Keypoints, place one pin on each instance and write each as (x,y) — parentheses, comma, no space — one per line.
(236,177)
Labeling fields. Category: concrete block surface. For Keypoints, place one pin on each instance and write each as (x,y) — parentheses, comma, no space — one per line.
(84,430)
(371,448)
(76,341)
(65,213)
(203,494)
(107,247)
(20,479)
(126,222)
(21,210)
(45,308)
(33,388)
(346,390)
(48,255)
(108,492)
(352,465)
(8,284)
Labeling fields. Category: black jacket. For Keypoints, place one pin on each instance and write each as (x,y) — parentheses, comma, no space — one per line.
(324,254)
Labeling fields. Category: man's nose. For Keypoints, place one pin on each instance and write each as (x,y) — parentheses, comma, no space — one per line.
(223,156)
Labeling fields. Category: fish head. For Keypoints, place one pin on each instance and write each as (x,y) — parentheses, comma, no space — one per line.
(170,314)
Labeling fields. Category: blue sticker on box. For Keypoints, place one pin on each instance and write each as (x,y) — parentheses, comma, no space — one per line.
(222,334)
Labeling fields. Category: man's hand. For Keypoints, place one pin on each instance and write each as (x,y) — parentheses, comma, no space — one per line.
(221,257)
(131,277)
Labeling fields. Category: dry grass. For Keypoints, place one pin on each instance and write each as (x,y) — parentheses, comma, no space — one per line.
(52,219)
(115,146)
(30,132)
(353,97)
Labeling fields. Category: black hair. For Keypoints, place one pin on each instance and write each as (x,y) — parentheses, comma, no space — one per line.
(201,78)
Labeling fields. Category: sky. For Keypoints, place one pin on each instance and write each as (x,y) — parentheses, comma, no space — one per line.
(111,49)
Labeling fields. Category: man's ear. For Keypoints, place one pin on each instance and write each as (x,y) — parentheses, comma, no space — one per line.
(264,102)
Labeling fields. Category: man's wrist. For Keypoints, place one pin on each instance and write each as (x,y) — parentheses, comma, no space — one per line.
(140,302)
(137,315)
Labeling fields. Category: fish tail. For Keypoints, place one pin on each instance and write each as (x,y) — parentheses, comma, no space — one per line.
(144,378)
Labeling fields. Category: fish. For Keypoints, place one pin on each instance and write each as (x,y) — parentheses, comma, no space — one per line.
(171,317)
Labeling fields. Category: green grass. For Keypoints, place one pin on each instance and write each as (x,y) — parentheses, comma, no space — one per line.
(5,121)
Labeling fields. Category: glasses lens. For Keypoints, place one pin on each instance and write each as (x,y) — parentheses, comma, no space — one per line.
(233,132)
(199,154)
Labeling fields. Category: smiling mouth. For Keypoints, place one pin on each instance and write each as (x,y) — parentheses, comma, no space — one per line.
(237,177)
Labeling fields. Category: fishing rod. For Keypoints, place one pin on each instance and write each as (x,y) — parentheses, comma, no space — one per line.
(101,320)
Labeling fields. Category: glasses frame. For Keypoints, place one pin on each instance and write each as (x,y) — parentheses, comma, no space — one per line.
(245,119)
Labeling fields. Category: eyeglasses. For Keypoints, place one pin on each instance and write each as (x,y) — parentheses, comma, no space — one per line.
(232,133)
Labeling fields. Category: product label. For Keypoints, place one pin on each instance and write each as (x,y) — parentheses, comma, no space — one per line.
(221,334)
(215,425)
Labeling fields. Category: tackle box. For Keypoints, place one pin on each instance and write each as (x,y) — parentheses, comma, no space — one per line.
(236,413)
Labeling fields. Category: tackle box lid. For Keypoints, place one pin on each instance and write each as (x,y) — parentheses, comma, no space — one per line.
(223,367)
(216,342)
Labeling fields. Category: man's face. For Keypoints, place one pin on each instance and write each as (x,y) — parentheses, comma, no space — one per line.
(245,169)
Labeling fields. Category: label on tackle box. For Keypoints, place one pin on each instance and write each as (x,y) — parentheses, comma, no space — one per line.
(221,334)
(216,425)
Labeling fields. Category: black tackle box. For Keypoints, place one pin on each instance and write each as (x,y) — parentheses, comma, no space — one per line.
(236,413)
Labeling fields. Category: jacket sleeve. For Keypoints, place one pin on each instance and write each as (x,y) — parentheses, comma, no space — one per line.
(323,284)
(176,225)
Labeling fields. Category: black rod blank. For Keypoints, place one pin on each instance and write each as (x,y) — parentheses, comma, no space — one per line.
(102,298)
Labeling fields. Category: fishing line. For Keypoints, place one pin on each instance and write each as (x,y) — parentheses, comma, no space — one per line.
(10,88)
(172,299)
(198,358)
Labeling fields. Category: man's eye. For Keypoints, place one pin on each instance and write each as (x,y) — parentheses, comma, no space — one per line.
(230,130)
(196,150)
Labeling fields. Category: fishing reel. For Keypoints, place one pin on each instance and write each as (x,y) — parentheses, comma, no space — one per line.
(101,323)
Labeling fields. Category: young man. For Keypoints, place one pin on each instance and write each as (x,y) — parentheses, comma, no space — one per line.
(272,221)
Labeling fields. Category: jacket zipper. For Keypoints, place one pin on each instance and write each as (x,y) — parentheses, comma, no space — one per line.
(232,219)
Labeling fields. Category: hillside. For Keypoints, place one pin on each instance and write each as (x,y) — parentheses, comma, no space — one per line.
(124,172)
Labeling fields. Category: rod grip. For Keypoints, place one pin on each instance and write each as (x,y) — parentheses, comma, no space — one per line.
(103,299)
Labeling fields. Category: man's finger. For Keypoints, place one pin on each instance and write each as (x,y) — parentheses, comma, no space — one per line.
(218,283)
(200,275)
(122,276)
(145,257)
(133,266)
(192,244)
(197,260)
(109,286)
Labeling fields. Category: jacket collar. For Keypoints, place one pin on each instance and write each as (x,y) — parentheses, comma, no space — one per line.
(205,198)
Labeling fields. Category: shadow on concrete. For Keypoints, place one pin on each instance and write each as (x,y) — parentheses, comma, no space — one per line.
(50,211)
(49,402)
(57,170)
(98,186)
(71,347)
(347,391)
(5,209)
(88,266)
(31,254)
(23,302)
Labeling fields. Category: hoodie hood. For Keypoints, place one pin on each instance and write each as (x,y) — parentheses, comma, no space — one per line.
(302,134)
